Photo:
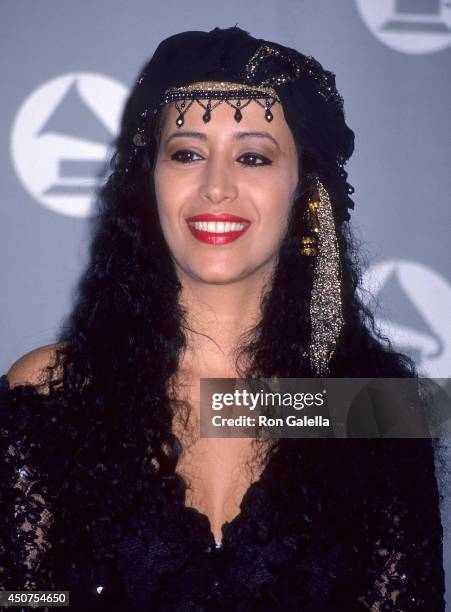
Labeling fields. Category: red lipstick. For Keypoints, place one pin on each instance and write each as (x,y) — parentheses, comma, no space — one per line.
(217,237)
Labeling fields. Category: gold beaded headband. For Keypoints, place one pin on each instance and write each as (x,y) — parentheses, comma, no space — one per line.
(220,91)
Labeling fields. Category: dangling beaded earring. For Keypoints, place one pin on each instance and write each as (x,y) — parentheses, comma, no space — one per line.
(325,303)
(309,243)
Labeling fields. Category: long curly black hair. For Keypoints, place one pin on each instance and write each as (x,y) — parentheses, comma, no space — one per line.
(111,400)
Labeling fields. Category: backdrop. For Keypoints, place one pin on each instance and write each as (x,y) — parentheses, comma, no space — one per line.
(66,70)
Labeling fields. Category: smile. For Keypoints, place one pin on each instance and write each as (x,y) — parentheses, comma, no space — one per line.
(217,232)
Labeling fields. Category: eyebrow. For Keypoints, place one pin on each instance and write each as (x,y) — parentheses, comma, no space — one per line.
(237,136)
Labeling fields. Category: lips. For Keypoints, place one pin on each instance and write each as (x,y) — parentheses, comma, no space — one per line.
(217,229)
(218,217)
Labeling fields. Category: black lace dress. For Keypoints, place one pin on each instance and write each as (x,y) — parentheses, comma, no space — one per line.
(361,531)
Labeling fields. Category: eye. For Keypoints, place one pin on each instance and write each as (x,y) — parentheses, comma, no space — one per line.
(185,156)
(254,159)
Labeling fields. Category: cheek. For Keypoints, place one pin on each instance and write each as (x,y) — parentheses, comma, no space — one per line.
(160,183)
(275,202)
(167,191)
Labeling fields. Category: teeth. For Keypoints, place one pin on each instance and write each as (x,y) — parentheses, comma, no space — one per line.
(219,227)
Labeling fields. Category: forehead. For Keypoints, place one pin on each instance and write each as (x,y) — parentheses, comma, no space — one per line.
(223,121)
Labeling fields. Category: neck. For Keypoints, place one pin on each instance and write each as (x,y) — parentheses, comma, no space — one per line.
(217,316)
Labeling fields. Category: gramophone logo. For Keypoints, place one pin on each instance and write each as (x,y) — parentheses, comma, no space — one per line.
(411,26)
(60,139)
(416,304)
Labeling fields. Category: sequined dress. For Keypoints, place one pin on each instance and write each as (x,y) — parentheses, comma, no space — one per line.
(359,532)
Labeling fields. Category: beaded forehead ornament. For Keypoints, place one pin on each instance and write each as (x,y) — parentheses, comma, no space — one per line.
(264,79)
(184,98)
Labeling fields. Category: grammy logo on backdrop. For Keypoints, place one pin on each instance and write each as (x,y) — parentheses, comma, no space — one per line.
(72,118)
(417,16)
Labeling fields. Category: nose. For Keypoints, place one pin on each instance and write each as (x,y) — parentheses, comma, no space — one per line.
(218,182)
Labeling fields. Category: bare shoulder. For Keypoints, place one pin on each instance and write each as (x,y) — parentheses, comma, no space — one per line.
(30,369)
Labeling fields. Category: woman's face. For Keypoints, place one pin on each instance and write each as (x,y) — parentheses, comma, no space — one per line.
(225,190)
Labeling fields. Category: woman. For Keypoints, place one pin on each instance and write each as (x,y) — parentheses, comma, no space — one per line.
(221,249)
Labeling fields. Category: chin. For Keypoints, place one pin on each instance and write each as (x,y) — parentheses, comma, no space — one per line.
(215,272)
(217,277)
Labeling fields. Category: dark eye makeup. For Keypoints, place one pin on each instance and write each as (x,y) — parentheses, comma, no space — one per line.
(185,156)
